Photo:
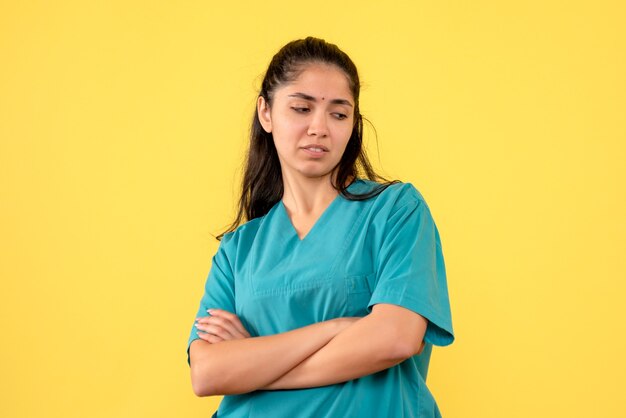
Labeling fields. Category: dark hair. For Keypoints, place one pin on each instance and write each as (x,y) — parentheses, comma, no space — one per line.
(262,185)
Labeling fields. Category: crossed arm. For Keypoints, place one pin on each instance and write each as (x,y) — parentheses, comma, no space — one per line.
(226,360)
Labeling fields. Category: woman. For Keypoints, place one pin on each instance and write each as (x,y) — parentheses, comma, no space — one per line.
(326,302)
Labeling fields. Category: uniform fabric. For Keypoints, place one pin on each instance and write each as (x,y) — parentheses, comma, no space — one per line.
(359,253)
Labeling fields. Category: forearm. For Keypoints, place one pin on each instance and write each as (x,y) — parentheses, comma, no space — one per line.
(367,346)
(244,365)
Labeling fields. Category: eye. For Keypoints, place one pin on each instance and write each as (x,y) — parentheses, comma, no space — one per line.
(341,116)
(300,109)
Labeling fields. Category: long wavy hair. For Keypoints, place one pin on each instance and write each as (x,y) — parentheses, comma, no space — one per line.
(262,184)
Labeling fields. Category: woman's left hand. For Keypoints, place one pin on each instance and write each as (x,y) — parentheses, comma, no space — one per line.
(220,326)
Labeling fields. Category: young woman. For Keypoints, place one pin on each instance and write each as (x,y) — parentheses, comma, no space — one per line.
(329,290)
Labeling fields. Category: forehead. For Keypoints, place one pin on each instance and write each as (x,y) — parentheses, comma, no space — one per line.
(320,81)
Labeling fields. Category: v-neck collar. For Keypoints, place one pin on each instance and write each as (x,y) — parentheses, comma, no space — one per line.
(320,219)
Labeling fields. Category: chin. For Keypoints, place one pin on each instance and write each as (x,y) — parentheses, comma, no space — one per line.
(313,173)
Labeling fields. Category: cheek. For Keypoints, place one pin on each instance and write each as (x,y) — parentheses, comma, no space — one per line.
(345,128)
(346,134)
(289,131)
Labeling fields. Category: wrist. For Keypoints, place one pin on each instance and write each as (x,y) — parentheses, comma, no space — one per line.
(339,324)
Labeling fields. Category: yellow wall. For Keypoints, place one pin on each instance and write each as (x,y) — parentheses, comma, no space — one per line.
(122,127)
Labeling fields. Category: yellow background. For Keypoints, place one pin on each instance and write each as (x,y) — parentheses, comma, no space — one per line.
(122,129)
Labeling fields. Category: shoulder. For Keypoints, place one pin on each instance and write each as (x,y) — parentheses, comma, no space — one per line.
(243,231)
(396,195)
(241,238)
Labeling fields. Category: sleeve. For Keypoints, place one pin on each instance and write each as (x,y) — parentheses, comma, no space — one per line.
(219,289)
(411,271)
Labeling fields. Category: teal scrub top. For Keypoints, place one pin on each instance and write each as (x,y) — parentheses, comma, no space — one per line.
(359,253)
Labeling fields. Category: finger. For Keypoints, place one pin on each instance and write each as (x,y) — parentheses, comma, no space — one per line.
(230,321)
(215,330)
(238,331)
(219,327)
(203,320)
(234,319)
(225,324)
(215,320)
(209,337)
(238,326)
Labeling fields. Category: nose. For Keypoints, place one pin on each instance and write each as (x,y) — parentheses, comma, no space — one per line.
(318,125)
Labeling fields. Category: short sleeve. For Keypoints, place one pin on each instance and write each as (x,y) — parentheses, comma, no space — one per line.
(219,290)
(411,271)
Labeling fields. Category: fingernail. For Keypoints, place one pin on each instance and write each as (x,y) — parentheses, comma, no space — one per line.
(210,311)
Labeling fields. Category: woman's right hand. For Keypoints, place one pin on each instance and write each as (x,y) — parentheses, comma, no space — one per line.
(220,326)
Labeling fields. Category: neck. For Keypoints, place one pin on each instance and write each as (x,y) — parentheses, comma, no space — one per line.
(306,195)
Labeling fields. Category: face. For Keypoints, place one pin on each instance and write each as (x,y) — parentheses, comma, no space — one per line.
(311,121)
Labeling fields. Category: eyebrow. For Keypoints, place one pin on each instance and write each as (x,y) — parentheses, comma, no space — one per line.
(313,99)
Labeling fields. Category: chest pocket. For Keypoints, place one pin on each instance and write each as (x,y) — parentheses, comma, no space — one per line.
(358,294)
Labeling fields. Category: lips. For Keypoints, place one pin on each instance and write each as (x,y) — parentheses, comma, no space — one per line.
(316,147)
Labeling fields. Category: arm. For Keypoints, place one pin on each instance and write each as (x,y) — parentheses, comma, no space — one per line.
(243,365)
(380,340)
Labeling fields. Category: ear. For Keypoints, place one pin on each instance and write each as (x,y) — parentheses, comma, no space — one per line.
(265,118)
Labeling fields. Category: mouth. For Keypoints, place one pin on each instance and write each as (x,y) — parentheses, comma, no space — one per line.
(315,148)
(315,151)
